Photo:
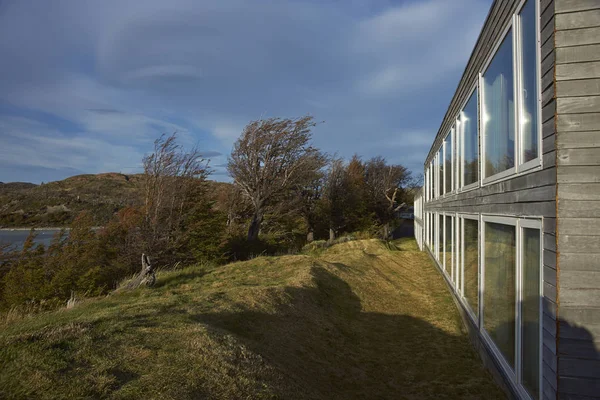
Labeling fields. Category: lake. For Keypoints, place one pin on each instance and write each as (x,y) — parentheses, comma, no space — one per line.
(17,237)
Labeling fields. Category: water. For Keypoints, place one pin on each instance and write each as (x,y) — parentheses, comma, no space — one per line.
(17,237)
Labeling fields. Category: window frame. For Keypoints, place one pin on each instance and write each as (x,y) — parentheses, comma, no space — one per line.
(511,221)
(536,163)
(511,171)
(449,274)
(461,266)
(461,137)
(533,222)
(530,223)
(519,168)
(449,188)
(441,171)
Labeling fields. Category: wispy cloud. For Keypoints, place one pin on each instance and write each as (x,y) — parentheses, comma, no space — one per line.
(103,79)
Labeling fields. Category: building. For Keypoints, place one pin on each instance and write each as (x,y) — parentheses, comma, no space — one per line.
(510,207)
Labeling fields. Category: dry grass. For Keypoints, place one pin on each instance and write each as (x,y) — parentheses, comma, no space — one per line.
(360,320)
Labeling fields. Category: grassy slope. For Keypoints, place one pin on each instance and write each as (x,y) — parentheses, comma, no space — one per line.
(356,321)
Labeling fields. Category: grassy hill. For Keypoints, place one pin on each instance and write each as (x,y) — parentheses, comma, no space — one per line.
(358,320)
(58,203)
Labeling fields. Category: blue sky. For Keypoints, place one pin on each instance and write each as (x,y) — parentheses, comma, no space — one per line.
(86,86)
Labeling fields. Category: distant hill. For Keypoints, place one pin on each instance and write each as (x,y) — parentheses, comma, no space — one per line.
(12,186)
(57,203)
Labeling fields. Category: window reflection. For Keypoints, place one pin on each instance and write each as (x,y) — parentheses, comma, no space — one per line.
(470,133)
(499,294)
(529,112)
(441,170)
(449,246)
(448,162)
(441,238)
(530,310)
(498,111)
(471,266)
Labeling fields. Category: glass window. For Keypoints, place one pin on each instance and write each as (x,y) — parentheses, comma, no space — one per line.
(499,293)
(529,89)
(426,183)
(448,163)
(441,171)
(430,231)
(441,238)
(432,178)
(530,311)
(471,263)
(449,248)
(470,141)
(498,111)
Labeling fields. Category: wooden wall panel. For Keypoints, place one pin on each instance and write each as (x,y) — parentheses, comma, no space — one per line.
(577,40)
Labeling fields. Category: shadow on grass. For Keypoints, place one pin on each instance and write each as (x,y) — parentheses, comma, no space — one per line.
(324,340)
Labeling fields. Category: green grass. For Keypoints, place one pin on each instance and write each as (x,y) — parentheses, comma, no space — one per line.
(359,320)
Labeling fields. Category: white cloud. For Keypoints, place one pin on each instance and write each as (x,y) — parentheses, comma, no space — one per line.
(28,142)
(164,71)
(370,70)
(415,45)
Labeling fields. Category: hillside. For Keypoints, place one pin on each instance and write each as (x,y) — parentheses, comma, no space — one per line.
(58,203)
(357,320)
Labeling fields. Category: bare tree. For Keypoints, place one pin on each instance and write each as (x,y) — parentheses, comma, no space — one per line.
(272,157)
(384,183)
(172,177)
(308,196)
(335,195)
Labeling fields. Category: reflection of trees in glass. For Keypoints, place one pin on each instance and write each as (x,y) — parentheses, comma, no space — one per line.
(493,169)
(499,293)
(471,271)
(449,246)
(441,237)
(471,171)
(530,310)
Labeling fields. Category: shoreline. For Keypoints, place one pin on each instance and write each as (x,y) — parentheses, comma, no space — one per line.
(51,228)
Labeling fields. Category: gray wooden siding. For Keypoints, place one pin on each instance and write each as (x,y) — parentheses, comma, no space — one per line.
(533,193)
(577,82)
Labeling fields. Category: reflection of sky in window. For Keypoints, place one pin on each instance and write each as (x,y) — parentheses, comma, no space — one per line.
(529,118)
(441,171)
(468,126)
(448,166)
(498,118)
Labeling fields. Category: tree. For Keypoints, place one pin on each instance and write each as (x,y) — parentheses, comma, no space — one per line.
(384,184)
(309,196)
(173,179)
(271,158)
(336,189)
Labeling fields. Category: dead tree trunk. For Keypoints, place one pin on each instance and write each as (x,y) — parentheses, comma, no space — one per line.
(310,236)
(147,275)
(386,231)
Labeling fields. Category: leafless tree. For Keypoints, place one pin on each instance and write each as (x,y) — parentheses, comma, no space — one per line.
(271,158)
(172,177)
(336,192)
(384,183)
(308,197)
